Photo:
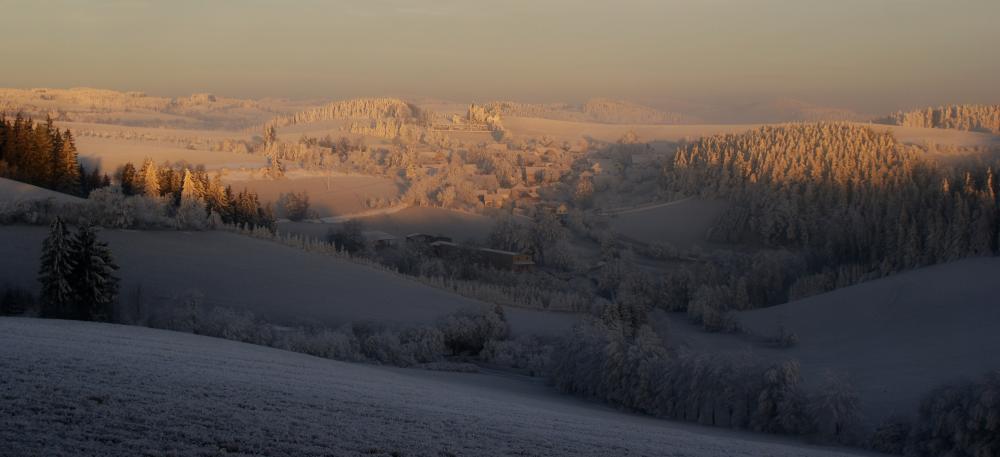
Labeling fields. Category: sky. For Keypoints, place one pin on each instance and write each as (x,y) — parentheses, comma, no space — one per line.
(870,55)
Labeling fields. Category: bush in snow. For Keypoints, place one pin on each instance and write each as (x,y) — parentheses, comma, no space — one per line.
(529,353)
(295,205)
(627,367)
(891,436)
(468,331)
(959,420)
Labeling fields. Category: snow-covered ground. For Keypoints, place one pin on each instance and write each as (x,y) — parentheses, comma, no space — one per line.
(334,195)
(459,225)
(684,223)
(87,389)
(276,281)
(15,191)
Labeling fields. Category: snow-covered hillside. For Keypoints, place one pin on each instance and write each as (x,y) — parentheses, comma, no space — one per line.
(897,337)
(75,389)
(276,281)
(15,191)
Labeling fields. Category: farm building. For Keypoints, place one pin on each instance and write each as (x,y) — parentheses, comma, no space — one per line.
(378,239)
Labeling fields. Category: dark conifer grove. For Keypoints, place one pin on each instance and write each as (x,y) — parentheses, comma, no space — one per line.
(41,155)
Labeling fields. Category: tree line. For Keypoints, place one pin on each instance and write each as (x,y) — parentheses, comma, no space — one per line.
(619,359)
(42,155)
(192,190)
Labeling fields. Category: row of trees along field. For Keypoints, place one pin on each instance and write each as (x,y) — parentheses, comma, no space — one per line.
(981,118)
(192,188)
(851,202)
(41,155)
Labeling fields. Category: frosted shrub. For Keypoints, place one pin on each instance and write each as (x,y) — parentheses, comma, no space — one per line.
(959,420)
(608,360)
(337,344)
(232,325)
(836,409)
(384,347)
(468,331)
(423,344)
(525,352)
(109,209)
(191,215)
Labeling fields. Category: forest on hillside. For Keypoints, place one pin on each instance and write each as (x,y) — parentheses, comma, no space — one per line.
(840,203)
(977,118)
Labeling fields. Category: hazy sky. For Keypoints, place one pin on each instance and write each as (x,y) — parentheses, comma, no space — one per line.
(871,54)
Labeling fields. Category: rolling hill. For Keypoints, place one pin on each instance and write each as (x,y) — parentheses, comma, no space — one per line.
(276,281)
(895,338)
(76,388)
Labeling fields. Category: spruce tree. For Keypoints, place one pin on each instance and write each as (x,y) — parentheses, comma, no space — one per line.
(129,179)
(149,179)
(94,284)
(68,163)
(55,272)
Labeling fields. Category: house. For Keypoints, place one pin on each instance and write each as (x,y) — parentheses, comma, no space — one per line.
(555,207)
(534,174)
(446,249)
(378,239)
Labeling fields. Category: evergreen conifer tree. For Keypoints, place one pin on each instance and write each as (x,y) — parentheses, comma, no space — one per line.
(94,284)
(55,272)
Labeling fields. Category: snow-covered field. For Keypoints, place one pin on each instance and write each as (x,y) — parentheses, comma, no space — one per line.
(683,224)
(276,281)
(87,389)
(110,154)
(334,195)
(434,221)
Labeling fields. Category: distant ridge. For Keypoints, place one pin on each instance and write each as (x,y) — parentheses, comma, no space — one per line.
(601,110)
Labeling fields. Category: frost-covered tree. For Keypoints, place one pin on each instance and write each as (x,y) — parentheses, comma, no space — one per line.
(93,280)
(55,272)
(836,409)
(189,190)
(507,234)
(270,135)
(129,179)
(295,205)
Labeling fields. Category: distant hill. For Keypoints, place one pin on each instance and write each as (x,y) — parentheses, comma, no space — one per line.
(765,111)
(781,110)
(357,108)
(976,118)
(600,110)
(138,109)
